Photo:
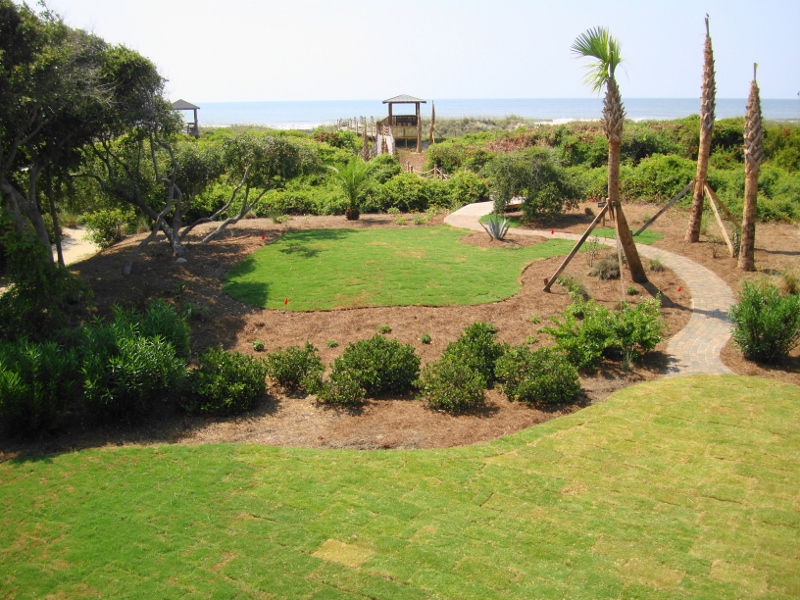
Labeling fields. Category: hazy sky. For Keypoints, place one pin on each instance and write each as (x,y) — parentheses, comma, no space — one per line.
(252,50)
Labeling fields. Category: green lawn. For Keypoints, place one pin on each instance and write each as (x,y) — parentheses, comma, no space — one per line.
(342,268)
(681,488)
(646,237)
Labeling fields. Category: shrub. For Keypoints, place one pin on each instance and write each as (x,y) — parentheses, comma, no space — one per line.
(406,192)
(632,290)
(379,365)
(342,389)
(225,383)
(296,367)
(36,383)
(425,338)
(128,377)
(766,324)
(588,332)
(466,187)
(106,227)
(258,345)
(577,289)
(36,306)
(478,350)
(158,319)
(543,376)
(656,266)
(452,386)
(605,268)
(385,166)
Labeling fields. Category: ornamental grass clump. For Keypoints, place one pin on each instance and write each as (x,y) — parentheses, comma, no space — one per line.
(766,324)
(542,376)
(297,367)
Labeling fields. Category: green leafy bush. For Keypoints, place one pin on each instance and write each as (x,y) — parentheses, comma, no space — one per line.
(126,379)
(297,367)
(36,306)
(588,332)
(478,350)
(766,324)
(225,383)
(452,386)
(379,365)
(466,187)
(107,227)
(342,389)
(158,319)
(542,375)
(36,383)
(385,166)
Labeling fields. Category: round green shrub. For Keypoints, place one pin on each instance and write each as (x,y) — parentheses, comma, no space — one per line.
(379,365)
(766,324)
(342,389)
(478,350)
(297,367)
(225,383)
(451,386)
(544,376)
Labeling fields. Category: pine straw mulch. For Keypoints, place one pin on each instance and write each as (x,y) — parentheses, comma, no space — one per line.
(384,422)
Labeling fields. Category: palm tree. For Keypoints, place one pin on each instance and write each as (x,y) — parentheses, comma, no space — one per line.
(597,43)
(753,154)
(352,180)
(707,101)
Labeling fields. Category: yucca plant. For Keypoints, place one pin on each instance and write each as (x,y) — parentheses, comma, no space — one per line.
(753,155)
(600,45)
(707,105)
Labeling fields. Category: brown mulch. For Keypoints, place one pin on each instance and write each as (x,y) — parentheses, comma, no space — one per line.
(381,423)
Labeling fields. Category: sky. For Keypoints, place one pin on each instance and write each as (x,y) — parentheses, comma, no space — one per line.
(262,50)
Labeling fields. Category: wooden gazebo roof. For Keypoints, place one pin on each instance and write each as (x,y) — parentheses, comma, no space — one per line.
(404,99)
(184,105)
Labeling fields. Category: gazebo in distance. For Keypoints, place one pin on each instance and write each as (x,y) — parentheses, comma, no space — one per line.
(405,127)
(191,129)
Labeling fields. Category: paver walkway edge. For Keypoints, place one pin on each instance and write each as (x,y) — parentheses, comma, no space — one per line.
(696,348)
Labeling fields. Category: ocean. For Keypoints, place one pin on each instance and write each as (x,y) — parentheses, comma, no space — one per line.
(307,115)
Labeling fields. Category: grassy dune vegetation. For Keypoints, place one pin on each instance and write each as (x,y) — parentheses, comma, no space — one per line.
(678,488)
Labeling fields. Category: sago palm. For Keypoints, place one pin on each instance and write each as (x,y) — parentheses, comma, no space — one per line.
(600,45)
(352,180)
(753,154)
(707,101)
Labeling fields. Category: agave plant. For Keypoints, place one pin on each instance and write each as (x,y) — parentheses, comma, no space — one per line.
(496,228)
(600,45)
(753,155)
(707,105)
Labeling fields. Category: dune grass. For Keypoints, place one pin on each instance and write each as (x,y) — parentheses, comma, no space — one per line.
(345,268)
(680,488)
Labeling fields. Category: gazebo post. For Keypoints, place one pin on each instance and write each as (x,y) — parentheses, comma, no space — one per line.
(419,130)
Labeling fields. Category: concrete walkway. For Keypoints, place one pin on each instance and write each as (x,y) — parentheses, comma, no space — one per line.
(693,350)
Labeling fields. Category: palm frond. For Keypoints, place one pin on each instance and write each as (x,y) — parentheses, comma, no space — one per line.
(599,44)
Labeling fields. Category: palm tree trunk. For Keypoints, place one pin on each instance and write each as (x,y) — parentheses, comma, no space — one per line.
(753,153)
(707,102)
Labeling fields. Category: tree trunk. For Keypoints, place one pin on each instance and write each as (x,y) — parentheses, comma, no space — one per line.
(624,235)
(707,101)
(753,154)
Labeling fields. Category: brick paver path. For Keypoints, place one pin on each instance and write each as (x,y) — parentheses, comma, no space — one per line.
(693,350)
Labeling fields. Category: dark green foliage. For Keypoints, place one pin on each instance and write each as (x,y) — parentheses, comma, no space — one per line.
(158,319)
(406,192)
(384,167)
(225,383)
(36,306)
(766,324)
(36,383)
(536,175)
(297,367)
(451,386)
(425,338)
(544,376)
(657,178)
(478,350)
(342,138)
(379,365)
(342,389)
(466,187)
(127,379)
(588,332)
(637,146)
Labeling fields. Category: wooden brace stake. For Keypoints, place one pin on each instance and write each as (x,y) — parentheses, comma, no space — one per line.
(721,224)
(666,207)
(548,284)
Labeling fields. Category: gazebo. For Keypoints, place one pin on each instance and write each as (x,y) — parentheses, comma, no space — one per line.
(191,129)
(407,127)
